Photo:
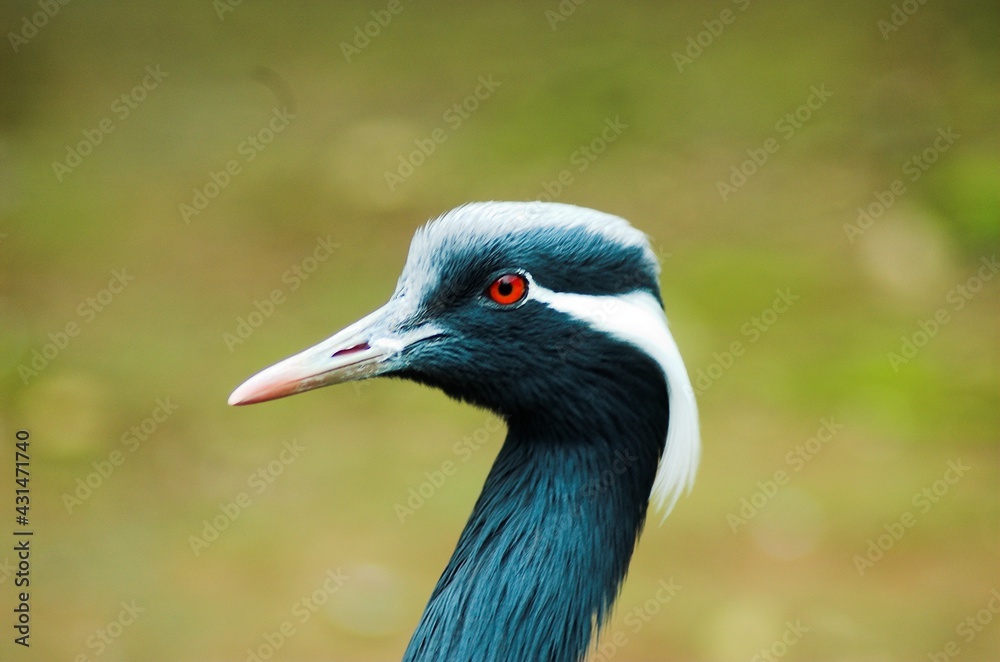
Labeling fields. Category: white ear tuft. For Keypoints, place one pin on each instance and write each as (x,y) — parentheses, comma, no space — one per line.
(637,318)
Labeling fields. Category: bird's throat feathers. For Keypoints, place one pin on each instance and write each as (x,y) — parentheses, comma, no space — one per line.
(548,544)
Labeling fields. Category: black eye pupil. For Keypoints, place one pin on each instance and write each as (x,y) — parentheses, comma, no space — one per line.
(505,287)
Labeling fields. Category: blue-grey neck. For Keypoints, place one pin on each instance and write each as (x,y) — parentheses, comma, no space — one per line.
(543,555)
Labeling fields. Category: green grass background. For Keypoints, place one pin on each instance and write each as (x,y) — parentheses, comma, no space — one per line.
(324,175)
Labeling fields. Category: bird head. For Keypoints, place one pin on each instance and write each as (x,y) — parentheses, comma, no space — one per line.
(515,307)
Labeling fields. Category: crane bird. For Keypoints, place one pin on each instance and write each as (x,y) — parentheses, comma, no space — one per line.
(550,316)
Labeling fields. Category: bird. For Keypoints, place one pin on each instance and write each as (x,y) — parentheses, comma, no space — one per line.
(549,315)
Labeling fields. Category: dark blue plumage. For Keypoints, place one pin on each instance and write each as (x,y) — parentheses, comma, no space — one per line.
(548,543)
(550,316)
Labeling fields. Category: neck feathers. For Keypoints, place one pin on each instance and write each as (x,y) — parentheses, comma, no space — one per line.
(543,555)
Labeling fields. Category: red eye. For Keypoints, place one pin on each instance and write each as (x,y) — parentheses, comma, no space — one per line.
(508,289)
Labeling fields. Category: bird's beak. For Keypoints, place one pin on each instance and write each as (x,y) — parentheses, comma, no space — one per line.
(364,349)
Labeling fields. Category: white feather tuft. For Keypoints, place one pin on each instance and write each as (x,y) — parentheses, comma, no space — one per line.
(638,318)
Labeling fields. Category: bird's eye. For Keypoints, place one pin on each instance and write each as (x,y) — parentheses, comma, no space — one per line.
(508,289)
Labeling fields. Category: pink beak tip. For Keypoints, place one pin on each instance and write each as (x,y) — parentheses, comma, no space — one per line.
(256,390)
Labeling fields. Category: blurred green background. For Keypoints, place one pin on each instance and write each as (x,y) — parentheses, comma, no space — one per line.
(691,89)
